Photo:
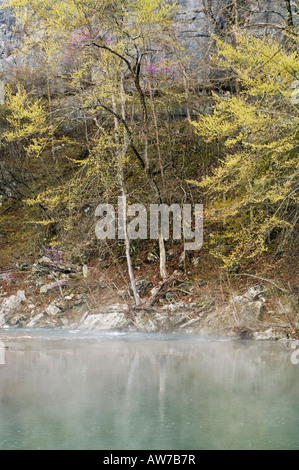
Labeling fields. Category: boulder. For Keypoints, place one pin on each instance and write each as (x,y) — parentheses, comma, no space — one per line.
(152,257)
(35,320)
(21,295)
(9,307)
(52,310)
(107,318)
(268,335)
(17,320)
(196,261)
(252,295)
(104,321)
(44,289)
(46,265)
(54,285)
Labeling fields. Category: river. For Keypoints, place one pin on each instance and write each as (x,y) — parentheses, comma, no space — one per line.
(88,390)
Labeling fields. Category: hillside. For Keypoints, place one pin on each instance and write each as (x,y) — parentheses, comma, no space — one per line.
(190,104)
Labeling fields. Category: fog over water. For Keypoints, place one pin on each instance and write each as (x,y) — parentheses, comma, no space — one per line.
(88,390)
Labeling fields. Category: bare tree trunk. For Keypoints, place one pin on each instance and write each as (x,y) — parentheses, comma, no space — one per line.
(163,269)
(144,159)
(290,13)
(123,189)
(51,115)
(128,254)
(153,183)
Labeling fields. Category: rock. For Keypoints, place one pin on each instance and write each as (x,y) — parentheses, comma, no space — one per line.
(254,310)
(145,323)
(196,262)
(152,257)
(295,97)
(142,287)
(9,307)
(268,335)
(21,295)
(46,265)
(105,321)
(178,307)
(248,311)
(54,285)
(17,320)
(22,265)
(44,289)
(39,270)
(35,320)
(170,296)
(52,310)
(85,271)
(70,297)
(252,295)
(186,288)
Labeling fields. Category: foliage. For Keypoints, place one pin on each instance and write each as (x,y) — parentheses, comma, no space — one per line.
(27,121)
(253,190)
(103,51)
(103,116)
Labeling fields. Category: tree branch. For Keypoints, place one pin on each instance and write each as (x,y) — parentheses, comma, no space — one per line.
(263,279)
(120,118)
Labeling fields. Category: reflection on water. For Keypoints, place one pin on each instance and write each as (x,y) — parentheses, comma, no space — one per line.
(75,390)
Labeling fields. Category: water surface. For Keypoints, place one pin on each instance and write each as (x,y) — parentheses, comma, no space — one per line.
(82,390)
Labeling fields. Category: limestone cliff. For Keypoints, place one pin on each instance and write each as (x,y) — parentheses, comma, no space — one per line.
(196,20)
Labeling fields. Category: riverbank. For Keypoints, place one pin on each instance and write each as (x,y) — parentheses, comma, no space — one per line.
(95,296)
(76,300)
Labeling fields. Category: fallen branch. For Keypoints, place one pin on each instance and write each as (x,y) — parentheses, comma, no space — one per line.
(160,291)
(264,280)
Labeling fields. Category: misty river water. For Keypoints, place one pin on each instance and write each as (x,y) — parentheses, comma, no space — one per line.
(88,390)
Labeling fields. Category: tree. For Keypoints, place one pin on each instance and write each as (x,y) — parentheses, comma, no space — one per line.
(113,50)
(253,189)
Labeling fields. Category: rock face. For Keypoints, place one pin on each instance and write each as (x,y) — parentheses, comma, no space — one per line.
(9,307)
(251,304)
(196,20)
(253,294)
(199,18)
(8,40)
(105,321)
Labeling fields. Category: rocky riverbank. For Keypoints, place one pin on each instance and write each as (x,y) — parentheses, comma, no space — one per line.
(55,293)
(245,316)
